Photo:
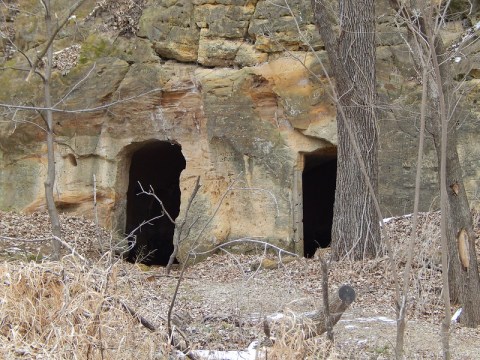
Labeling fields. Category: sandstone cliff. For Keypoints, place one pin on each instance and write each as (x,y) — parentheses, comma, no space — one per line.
(230,82)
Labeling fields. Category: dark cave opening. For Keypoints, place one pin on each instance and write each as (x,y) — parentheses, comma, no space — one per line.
(318,178)
(157,164)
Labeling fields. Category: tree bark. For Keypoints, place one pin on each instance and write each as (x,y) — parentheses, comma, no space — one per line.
(463,276)
(355,228)
(50,180)
(464,279)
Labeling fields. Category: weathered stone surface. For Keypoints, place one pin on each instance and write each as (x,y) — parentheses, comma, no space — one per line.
(171,27)
(275,27)
(225,21)
(213,76)
(218,52)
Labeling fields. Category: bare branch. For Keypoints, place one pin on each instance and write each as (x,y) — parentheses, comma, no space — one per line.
(76,111)
(53,35)
(72,249)
(75,86)
(17,49)
(151,192)
(8,238)
(131,234)
(246,240)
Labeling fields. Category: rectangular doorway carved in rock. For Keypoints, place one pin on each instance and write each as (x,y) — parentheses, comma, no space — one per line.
(319,175)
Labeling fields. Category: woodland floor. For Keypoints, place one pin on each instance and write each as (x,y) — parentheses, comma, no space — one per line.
(79,309)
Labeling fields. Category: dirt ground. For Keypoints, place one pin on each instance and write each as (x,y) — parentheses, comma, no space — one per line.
(222,301)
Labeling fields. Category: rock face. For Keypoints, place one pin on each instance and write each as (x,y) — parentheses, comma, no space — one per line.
(224,90)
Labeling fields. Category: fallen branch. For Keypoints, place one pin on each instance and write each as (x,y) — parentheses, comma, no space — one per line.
(247,240)
(136,315)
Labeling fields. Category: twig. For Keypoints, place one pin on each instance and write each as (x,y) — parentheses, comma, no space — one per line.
(77,111)
(53,36)
(326,305)
(77,84)
(72,249)
(216,209)
(151,192)
(8,238)
(248,240)
(144,222)
(170,311)
(95,211)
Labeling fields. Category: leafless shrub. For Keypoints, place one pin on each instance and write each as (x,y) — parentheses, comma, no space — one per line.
(292,345)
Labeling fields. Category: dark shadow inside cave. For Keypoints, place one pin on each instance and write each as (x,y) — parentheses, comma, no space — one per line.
(157,164)
(319,177)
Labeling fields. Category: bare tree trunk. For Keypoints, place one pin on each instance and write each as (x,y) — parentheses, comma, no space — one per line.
(461,262)
(355,229)
(464,279)
(50,180)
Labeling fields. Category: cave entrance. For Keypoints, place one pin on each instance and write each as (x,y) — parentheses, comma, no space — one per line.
(318,186)
(157,164)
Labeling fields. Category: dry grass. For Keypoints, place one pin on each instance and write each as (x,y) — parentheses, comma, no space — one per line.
(65,310)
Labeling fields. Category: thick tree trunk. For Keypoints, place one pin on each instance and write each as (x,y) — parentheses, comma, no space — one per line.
(355,229)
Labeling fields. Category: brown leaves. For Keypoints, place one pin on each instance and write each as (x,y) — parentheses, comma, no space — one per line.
(79,232)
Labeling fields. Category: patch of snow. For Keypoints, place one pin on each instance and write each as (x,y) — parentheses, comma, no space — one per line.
(250,354)
(350,327)
(372,319)
(275,317)
(385,319)
(386,220)
(458,59)
(456,315)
